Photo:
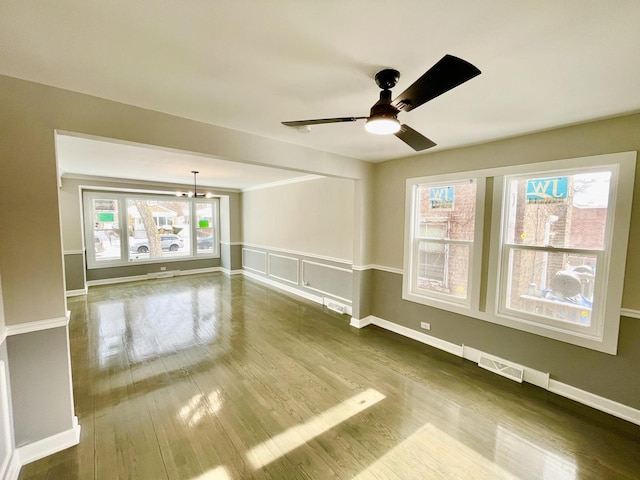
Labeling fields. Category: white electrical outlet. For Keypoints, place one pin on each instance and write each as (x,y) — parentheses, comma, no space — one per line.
(162,269)
(425,325)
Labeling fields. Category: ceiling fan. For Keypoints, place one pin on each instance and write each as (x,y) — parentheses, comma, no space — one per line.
(447,73)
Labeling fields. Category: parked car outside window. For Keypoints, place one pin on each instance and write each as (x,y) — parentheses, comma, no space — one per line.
(205,243)
(167,242)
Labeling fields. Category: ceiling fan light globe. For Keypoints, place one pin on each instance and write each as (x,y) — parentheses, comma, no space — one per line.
(382,125)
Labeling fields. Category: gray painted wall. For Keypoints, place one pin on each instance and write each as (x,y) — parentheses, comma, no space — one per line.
(311,275)
(40,384)
(6,422)
(613,377)
(144,268)
(74,271)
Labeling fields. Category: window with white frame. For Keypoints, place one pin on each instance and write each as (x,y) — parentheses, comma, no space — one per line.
(557,251)
(443,230)
(553,246)
(122,228)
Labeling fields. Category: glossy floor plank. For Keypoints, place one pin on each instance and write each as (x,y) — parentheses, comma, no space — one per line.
(215,378)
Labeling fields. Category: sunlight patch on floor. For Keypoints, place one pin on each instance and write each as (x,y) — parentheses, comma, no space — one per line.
(433,453)
(199,407)
(218,473)
(517,454)
(294,437)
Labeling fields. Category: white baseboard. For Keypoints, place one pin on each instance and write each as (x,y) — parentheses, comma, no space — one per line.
(76,293)
(286,288)
(360,323)
(112,281)
(410,333)
(137,278)
(595,401)
(229,273)
(532,376)
(50,445)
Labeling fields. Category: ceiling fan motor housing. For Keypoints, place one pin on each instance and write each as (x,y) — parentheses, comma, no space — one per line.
(383,107)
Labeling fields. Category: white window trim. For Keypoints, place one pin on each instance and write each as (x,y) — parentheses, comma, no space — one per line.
(435,299)
(120,197)
(612,280)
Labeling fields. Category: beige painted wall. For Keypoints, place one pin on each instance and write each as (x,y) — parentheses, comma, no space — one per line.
(312,217)
(608,136)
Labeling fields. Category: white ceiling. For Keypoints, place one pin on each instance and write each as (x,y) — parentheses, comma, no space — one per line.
(94,157)
(248,65)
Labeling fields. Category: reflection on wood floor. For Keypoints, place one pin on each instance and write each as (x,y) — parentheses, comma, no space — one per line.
(215,378)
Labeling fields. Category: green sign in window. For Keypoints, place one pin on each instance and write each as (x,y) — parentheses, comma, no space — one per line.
(203,223)
(105,217)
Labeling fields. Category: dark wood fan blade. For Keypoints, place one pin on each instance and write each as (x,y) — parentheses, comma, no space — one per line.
(448,73)
(415,140)
(302,123)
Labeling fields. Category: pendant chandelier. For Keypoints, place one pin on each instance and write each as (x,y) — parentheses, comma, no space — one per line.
(195,193)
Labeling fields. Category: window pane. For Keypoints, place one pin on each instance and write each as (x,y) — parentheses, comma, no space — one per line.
(443,268)
(205,237)
(158,229)
(562,211)
(554,285)
(106,231)
(451,207)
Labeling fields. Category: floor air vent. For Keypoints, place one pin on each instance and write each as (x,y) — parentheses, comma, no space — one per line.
(499,366)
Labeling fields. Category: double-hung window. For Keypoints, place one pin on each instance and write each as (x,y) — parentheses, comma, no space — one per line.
(444,244)
(557,241)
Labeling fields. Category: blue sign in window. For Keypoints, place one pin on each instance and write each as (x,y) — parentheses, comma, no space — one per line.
(547,190)
(441,198)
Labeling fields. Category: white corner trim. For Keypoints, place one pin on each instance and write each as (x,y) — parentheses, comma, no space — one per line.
(629,312)
(286,288)
(595,401)
(228,272)
(73,252)
(76,293)
(12,471)
(532,376)
(3,335)
(50,445)
(361,322)
(37,325)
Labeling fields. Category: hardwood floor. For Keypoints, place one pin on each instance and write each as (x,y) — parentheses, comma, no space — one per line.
(215,378)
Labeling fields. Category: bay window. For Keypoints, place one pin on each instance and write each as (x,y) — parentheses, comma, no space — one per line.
(123,228)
